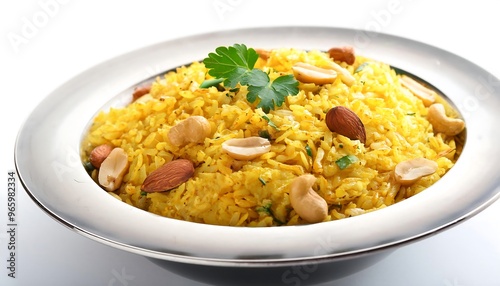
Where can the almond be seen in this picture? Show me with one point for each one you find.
(345, 122)
(98, 154)
(343, 54)
(168, 176)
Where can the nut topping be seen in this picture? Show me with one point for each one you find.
(169, 176)
(344, 74)
(408, 172)
(140, 91)
(263, 54)
(345, 122)
(98, 154)
(428, 96)
(113, 169)
(343, 54)
(310, 206)
(441, 123)
(307, 73)
(246, 148)
(194, 129)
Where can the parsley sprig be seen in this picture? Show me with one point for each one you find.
(235, 65)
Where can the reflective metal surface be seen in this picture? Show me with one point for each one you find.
(48, 163)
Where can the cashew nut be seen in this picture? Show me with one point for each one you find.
(310, 206)
(442, 123)
(307, 73)
(194, 129)
(113, 169)
(428, 96)
(246, 148)
(408, 172)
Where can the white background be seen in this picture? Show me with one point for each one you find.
(44, 43)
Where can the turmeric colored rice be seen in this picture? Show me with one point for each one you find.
(231, 192)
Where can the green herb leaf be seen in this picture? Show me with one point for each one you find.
(411, 113)
(309, 151)
(89, 167)
(265, 134)
(231, 63)
(345, 161)
(267, 209)
(270, 122)
(235, 65)
(143, 193)
(211, 82)
(361, 67)
(262, 181)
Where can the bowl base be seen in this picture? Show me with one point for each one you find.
(310, 273)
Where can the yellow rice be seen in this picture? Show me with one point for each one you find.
(225, 191)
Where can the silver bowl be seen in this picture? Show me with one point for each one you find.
(49, 166)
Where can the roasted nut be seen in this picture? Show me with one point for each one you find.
(169, 176)
(246, 148)
(140, 91)
(98, 154)
(263, 54)
(343, 54)
(442, 123)
(194, 129)
(344, 74)
(345, 122)
(310, 206)
(113, 169)
(428, 96)
(307, 73)
(408, 172)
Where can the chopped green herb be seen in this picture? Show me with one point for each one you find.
(341, 146)
(410, 113)
(309, 151)
(270, 122)
(361, 67)
(211, 82)
(235, 64)
(88, 167)
(265, 134)
(345, 161)
(262, 181)
(143, 193)
(267, 209)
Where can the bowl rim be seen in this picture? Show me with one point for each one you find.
(47, 158)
